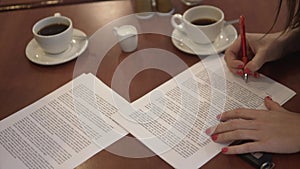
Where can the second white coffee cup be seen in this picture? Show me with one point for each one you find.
(54, 33)
(202, 24)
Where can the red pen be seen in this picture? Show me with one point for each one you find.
(244, 48)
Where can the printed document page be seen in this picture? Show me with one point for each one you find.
(61, 130)
(171, 119)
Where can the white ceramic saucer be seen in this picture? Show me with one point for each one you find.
(148, 15)
(224, 40)
(77, 46)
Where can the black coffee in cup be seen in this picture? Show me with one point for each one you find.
(204, 21)
(53, 29)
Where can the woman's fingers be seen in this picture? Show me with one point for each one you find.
(271, 105)
(235, 124)
(240, 113)
(235, 64)
(235, 135)
(243, 148)
(232, 54)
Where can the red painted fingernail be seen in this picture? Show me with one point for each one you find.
(239, 72)
(240, 66)
(214, 137)
(207, 131)
(224, 150)
(219, 116)
(248, 71)
(268, 97)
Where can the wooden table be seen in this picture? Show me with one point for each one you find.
(23, 82)
(10, 5)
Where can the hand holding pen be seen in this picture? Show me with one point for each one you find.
(244, 46)
(238, 55)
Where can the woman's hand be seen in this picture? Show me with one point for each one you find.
(274, 130)
(261, 48)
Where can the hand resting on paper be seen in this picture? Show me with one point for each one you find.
(274, 130)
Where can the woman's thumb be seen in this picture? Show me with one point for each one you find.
(256, 63)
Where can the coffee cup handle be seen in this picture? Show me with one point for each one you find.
(115, 31)
(57, 14)
(177, 22)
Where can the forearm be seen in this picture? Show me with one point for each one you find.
(289, 41)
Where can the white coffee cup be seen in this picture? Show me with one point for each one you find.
(202, 34)
(53, 43)
(127, 37)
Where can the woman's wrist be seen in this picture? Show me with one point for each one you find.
(275, 46)
(288, 41)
